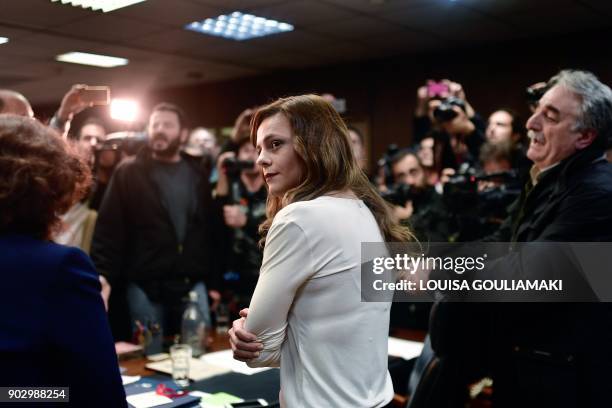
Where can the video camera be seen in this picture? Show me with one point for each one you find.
(479, 213)
(121, 144)
(533, 94)
(125, 142)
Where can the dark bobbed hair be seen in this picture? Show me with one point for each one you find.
(323, 146)
(41, 177)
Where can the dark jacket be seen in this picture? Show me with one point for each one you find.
(242, 255)
(543, 354)
(135, 238)
(54, 329)
(558, 354)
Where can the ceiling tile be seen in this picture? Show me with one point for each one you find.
(433, 17)
(505, 7)
(284, 60)
(173, 40)
(181, 13)
(339, 49)
(40, 13)
(375, 7)
(355, 28)
(566, 19)
(47, 46)
(239, 5)
(402, 42)
(293, 40)
(109, 27)
(302, 13)
(13, 34)
(235, 52)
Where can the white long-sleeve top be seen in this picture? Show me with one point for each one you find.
(307, 309)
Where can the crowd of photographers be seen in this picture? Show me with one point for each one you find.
(173, 213)
(462, 171)
(453, 184)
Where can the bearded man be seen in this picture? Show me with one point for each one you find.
(155, 230)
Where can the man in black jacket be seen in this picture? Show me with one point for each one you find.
(547, 354)
(155, 230)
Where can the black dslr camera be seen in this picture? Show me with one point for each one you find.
(385, 163)
(124, 142)
(444, 112)
(399, 194)
(121, 144)
(233, 166)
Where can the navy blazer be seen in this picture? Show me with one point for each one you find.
(53, 327)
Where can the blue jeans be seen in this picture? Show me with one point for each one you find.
(152, 316)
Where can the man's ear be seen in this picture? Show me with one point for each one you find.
(184, 136)
(585, 139)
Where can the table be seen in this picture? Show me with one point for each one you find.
(266, 384)
(136, 366)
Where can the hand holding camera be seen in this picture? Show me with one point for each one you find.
(80, 97)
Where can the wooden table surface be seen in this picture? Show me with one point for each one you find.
(219, 341)
(136, 366)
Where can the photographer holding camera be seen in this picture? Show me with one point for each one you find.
(415, 202)
(458, 129)
(242, 193)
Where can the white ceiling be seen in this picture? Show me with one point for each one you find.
(162, 54)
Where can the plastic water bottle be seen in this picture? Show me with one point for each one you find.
(193, 328)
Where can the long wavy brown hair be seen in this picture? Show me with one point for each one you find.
(41, 177)
(322, 142)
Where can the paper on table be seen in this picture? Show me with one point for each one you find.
(147, 399)
(405, 349)
(219, 400)
(198, 369)
(225, 359)
(128, 379)
(122, 347)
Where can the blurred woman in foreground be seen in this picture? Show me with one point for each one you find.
(55, 331)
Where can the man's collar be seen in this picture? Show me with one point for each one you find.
(580, 158)
(536, 173)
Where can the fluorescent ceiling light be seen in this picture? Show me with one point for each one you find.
(239, 26)
(3, 40)
(104, 5)
(96, 60)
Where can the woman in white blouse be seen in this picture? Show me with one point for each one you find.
(306, 314)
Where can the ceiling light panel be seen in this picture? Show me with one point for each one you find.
(104, 5)
(95, 60)
(239, 26)
(3, 40)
